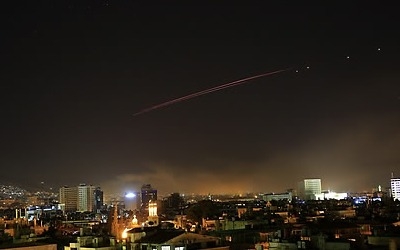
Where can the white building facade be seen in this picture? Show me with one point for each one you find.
(86, 198)
(81, 198)
(395, 188)
(308, 189)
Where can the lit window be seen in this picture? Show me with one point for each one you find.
(179, 248)
(165, 247)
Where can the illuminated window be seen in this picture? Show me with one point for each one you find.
(165, 247)
(179, 248)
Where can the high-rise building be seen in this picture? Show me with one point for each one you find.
(395, 188)
(86, 198)
(98, 200)
(82, 198)
(309, 188)
(148, 194)
(69, 198)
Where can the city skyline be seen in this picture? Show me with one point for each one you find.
(74, 74)
(133, 192)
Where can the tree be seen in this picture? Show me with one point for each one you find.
(202, 209)
(5, 237)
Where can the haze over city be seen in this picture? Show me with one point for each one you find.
(74, 74)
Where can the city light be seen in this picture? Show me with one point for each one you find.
(125, 233)
(130, 195)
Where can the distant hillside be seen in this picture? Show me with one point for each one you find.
(9, 191)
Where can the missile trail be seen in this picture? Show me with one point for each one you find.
(207, 91)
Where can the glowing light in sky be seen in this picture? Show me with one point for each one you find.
(130, 195)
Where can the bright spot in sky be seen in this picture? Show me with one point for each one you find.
(130, 195)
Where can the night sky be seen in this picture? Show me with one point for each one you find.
(73, 73)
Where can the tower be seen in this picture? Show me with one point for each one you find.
(114, 222)
(153, 217)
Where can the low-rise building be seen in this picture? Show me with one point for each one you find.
(169, 239)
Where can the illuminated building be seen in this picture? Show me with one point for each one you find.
(331, 196)
(69, 198)
(148, 194)
(309, 188)
(86, 198)
(281, 196)
(153, 217)
(395, 188)
(82, 198)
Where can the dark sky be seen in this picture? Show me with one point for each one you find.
(74, 72)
